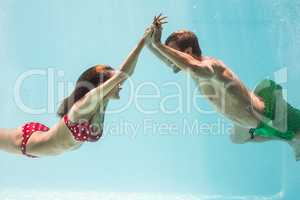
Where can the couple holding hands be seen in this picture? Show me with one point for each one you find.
(262, 115)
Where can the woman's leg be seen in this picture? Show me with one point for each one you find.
(10, 140)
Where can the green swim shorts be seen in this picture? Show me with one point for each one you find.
(271, 93)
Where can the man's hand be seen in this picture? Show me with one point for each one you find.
(157, 23)
(155, 39)
(153, 33)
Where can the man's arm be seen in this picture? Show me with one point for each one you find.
(176, 59)
(181, 60)
(163, 58)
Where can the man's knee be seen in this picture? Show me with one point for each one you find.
(239, 135)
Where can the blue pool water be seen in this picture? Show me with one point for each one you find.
(160, 142)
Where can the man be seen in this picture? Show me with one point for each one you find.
(258, 116)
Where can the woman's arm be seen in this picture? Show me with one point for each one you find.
(128, 66)
(87, 106)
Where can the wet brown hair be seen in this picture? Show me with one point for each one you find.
(184, 39)
(87, 81)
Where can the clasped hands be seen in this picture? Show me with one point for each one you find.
(153, 33)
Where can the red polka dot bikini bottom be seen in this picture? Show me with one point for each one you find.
(83, 131)
(28, 129)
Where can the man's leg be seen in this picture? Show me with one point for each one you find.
(240, 135)
(282, 120)
(295, 145)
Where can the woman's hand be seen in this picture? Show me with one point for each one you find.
(149, 32)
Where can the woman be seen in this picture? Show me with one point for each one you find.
(82, 113)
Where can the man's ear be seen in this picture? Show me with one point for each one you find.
(189, 50)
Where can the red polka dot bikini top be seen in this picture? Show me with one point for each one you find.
(81, 131)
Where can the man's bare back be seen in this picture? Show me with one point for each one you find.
(228, 94)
